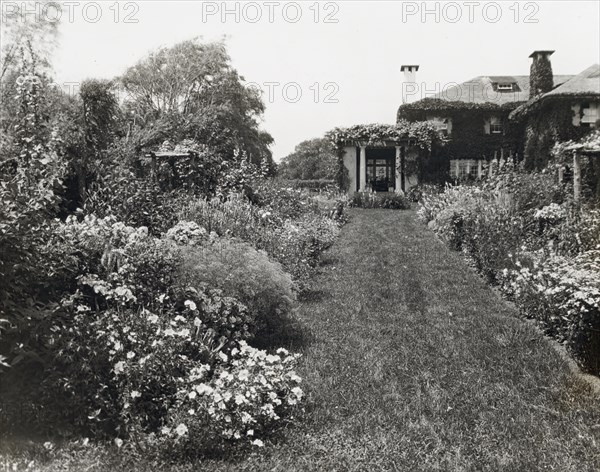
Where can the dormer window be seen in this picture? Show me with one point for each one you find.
(505, 87)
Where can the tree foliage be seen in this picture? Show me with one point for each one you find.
(191, 91)
(312, 159)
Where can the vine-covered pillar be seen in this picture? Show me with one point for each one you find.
(363, 169)
(398, 169)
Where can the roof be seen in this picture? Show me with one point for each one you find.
(587, 81)
(584, 84)
(483, 89)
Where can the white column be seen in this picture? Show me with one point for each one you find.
(576, 176)
(363, 169)
(479, 168)
(398, 170)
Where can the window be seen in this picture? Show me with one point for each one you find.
(463, 169)
(496, 126)
(505, 87)
(589, 114)
(441, 124)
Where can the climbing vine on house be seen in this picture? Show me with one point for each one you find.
(468, 139)
(546, 125)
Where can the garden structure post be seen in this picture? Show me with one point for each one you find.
(576, 176)
(398, 170)
(363, 169)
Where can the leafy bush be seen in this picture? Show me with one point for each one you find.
(241, 272)
(375, 200)
(293, 233)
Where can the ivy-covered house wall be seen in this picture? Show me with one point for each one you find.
(551, 123)
(469, 130)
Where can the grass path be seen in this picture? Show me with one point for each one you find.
(415, 364)
(412, 363)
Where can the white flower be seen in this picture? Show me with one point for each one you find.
(135, 394)
(223, 357)
(118, 346)
(184, 333)
(197, 322)
(169, 332)
(153, 318)
(165, 430)
(203, 388)
(239, 399)
(191, 305)
(258, 442)
(181, 429)
(130, 355)
(192, 395)
(243, 374)
(118, 442)
(119, 367)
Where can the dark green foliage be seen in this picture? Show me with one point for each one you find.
(374, 200)
(552, 122)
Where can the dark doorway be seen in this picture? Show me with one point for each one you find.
(381, 169)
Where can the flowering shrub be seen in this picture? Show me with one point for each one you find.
(245, 398)
(521, 231)
(135, 329)
(563, 294)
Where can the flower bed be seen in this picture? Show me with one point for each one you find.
(524, 233)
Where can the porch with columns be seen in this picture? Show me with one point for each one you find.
(399, 167)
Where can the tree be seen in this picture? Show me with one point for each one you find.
(190, 91)
(311, 160)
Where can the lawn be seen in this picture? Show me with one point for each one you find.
(410, 362)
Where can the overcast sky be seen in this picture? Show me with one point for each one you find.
(353, 50)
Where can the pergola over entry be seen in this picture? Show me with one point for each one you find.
(368, 171)
(376, 155)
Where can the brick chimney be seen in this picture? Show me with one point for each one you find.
(541, 78)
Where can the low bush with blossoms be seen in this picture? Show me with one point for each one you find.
(524, 232)
(133, 331)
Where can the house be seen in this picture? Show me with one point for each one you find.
(475, 117)
(566, 112)
(454, 134)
